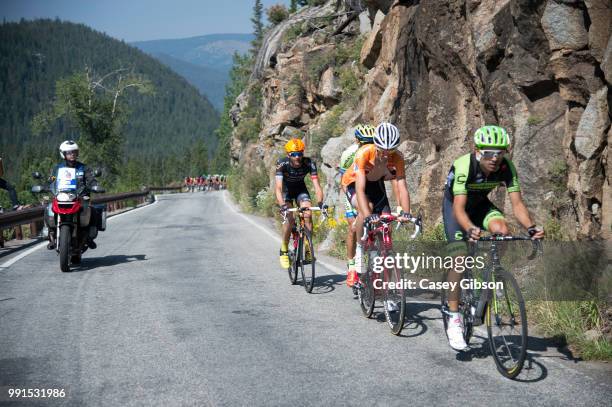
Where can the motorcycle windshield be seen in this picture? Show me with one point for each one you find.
(67, 181)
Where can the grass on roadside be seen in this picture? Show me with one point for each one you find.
(569, 322)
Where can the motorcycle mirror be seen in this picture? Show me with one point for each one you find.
(37, 189)
(97, 172)
(36, 175)
(97, 188)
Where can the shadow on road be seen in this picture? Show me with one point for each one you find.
(107, 261)
(414, 322)
(327, 284)
(534, 369)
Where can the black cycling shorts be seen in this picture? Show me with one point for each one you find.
(480, 215)
(376, 193)
(298, 194)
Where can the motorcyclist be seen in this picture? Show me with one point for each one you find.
(69, 151)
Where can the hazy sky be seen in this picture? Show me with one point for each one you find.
(136, 20)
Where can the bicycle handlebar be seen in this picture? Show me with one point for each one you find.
(536, 243)
(302, 210)
(391, 217)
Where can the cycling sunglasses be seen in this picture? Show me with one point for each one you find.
(386, 152)
(296, 154)
(489, 154)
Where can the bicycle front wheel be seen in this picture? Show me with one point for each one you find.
(365, 292)
(506, 321)
(394, 298)
(293, 253)
(307, 262)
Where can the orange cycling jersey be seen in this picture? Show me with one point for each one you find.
(366, 161)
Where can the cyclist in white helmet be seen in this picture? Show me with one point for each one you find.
(364, 181)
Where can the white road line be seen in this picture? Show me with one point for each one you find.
(22, 255)
(330, 267)
(31, 250)
(133, 210)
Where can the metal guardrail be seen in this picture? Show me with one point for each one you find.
(35, 214)
(165, 188)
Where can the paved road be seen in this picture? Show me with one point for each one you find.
(183, 304)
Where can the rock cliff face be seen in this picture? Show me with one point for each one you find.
(439, 70)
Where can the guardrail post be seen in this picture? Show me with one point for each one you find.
(18, 233)
(33, 229)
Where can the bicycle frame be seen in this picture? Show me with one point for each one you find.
(477, 313)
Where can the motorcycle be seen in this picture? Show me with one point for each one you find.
(69, 214)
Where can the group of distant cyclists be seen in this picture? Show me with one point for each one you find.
(374, 158)
(205, 183)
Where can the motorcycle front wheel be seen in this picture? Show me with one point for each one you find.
(65, 236)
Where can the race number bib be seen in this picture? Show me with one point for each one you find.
(66, 179)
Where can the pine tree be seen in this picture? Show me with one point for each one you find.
(257, 26)
(293, 6)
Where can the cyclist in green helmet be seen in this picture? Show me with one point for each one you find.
(467, 210)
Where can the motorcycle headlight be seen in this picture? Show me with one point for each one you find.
(65, 197)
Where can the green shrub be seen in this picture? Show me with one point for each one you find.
(277, 13)
(350, 85)
(557, 176)
(433, 233)
(338, 244)
(293, 32)
(295, 89)
(265, 202)
(554, 230)
(249, 126)
(330, 126)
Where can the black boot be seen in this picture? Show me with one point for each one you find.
(91, 244)
(51, 244)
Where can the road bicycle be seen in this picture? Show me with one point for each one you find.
(499, 304)
(378, 243)
(301, 250)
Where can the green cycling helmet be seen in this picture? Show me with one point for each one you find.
(492, 137)
(365, 133)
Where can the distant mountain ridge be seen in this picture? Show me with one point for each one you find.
(210, 82)
(35, 54)
(211, 52)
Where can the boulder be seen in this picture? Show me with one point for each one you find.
(329, 89)
(591, 132)
(564, 26)
(290, 132)
(606, 63)
(371, 48)
(365, 25)
(576, 74)
(600, 14)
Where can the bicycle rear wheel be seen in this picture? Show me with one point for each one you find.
(293, 256)
(397, 295)
(506, 321)
(307, 263)
(365, 292)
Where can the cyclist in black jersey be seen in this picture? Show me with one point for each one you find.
(290, 186)
(467, 209)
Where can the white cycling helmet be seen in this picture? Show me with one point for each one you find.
(387, 136)
(68, 145)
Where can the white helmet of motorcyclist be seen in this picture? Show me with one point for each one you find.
(66, 146)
